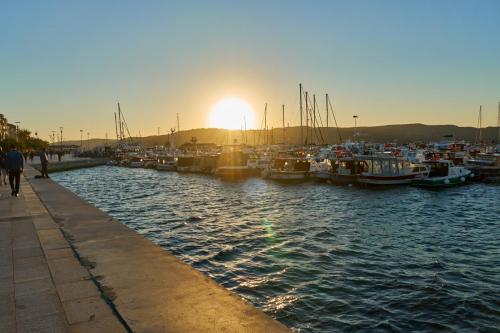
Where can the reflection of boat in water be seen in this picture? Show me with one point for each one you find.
(288, 168)
(485, 167)
(234, 165)
(386, 170)
(443, 173)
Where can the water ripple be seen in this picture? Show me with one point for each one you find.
(322, 258)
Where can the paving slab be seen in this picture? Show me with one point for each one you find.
(37, 273)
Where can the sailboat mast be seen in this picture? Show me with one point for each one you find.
(265, 124)
(178, 123)
(245, 123)
(301, 127)
(116, 129)
(314, 116)
(120, 122)
(307, 119)
(498, 125)
(326, 99)
(480, 124)
(283, 118)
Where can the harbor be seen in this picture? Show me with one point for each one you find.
(250, 167)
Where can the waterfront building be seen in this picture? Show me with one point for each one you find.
(3, 127)
(11, 131)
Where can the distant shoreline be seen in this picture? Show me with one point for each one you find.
(402, 133)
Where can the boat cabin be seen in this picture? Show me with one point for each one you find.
(439, 168)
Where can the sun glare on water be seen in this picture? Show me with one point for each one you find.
(232, 113)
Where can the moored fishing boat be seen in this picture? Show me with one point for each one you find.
(184, 163)
(136, 162)
(288, 169)
(387, 170)
(443, 173)
(166, 163)
(485, 167)
(345, 170)
(233, 165)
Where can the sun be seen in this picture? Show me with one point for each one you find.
(232, 113)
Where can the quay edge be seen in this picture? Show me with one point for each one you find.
(72, 164)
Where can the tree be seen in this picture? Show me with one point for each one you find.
(24, 141)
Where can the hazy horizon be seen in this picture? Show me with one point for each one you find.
(390, 62)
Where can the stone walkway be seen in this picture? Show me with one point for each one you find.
(43, 286)
(66, 266)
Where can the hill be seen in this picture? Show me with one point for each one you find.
(389, 133)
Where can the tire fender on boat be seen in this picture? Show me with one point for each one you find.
(462, 179)
(446, 181)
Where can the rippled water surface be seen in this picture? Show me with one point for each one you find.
(319, 257)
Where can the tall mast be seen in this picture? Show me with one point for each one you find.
(480, 124)
(327, 129)
(479, 120)
(120, 122)
(307, 119)
(314, 116)
(245, 122)
(498, 125)
(265, 124)
(178, 123)
(301, 127)
(283, 112)
(116, 130)
(334, 119)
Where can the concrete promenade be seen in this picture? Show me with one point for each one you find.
(66, 266)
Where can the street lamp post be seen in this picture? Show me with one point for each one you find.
(355, 124)
(61, 138)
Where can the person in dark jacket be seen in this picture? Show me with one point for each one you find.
(15, 166)
(3, 167)
(44, 160)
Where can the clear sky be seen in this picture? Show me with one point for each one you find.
(66, 63)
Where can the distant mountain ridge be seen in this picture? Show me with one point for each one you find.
(403, 133)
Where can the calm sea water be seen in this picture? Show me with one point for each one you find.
(319, 257)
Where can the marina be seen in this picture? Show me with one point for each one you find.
(349, 164)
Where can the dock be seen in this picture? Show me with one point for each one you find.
(66, 266)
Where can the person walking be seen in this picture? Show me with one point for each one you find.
(3, 167)
(15, 166)
(44, 160)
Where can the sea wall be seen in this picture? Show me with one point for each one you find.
(72, 164)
